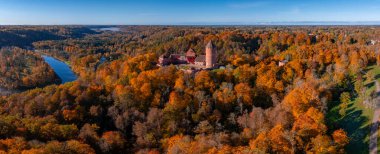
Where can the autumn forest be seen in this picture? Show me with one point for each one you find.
(276, 89)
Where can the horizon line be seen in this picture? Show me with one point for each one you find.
(270, 23)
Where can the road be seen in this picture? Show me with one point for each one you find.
(375, 124)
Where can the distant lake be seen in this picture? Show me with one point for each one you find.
(61, 69)
(113, 29)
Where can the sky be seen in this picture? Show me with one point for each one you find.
(187, 12)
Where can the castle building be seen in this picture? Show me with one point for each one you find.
(207, 61)
(190, 56)
(282, 63)
(200, 60)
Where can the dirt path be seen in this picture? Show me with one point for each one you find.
(375, 124)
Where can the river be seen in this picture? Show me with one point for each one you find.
(5, 92)
(61, 69)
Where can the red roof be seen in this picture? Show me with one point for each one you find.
(190, 53)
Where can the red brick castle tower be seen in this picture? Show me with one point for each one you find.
(211, 55)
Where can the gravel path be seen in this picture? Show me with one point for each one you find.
(375, 124)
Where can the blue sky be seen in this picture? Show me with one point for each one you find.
(132, 12)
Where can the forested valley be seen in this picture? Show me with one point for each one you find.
(22, 69)
(127, 104)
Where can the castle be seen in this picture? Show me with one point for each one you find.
(207, 61)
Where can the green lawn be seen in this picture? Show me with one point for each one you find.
(358, 118)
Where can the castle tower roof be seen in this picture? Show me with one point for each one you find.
(209, 45)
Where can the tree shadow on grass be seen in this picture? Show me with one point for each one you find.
(369, 85)
(366, 69)
(354, 123)
(377, 76)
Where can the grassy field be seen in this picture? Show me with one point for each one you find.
(358, 118)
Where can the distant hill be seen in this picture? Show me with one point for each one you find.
(24, 36)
